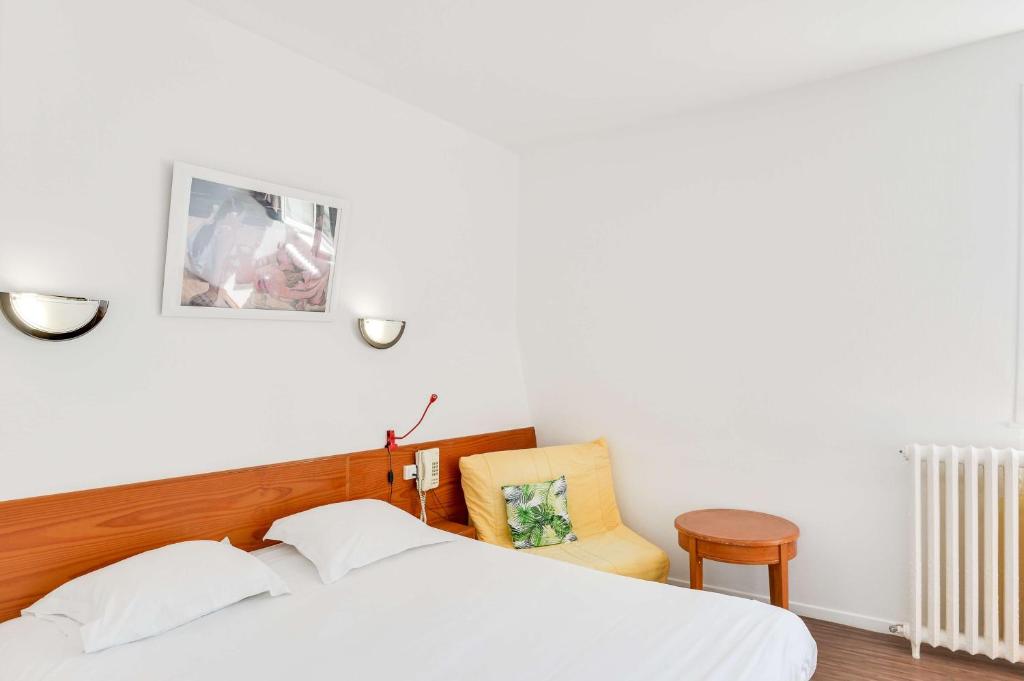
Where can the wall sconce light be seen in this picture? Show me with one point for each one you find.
(53, 318)
(381, 333)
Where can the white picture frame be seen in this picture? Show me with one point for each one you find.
(289, 280)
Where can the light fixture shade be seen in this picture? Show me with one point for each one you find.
(54, 318)
(381, 333)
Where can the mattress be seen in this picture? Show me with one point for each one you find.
(462, 610)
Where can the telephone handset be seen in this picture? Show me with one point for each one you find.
(428, 475)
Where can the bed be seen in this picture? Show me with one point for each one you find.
(457, 610)
(460, 610)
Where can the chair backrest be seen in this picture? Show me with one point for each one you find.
(587, 470)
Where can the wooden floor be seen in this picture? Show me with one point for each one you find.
(847, 654)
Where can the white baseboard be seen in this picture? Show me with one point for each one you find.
(851, 619)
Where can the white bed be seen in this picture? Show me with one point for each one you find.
(462, 610)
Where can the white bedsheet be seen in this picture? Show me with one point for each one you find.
(457, 611)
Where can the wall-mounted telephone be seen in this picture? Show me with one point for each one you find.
(428, 475)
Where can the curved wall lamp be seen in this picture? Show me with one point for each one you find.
(381, 333)
(53, 318)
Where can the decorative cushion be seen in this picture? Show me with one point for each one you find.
(538, 513)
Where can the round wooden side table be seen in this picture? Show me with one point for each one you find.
(741, 537)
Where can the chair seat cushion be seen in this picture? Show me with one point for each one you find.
(586, 467)
(620, 551)
(603, 542)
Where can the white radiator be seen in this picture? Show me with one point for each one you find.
(967, 542)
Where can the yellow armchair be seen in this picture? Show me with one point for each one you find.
(604, 542)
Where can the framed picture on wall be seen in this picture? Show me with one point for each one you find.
(248, 249)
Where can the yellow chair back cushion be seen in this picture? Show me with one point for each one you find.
(587, 469)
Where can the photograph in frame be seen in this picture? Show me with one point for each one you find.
(245, 248)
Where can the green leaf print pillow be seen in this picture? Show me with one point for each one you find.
(538, 513)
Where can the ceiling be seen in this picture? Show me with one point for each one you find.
(526, 71)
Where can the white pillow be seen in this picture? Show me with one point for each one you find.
(340, 537)
(158, 590)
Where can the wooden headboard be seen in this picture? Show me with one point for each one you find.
(45, 541)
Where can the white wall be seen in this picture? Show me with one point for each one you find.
(96, 101)
(760, 304)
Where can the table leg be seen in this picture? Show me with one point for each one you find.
(696, 567)
(778, 579)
